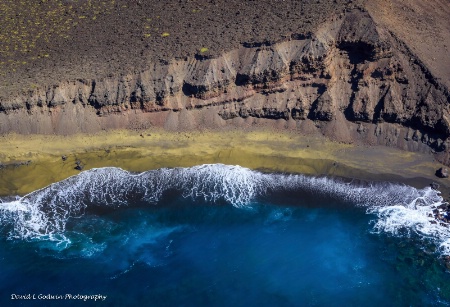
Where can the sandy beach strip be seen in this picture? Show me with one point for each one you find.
(30, 162)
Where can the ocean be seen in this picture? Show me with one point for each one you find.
(221, 235)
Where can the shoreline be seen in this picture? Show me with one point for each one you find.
(31, 162)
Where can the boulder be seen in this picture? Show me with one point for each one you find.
(442, 172)
(79, 165)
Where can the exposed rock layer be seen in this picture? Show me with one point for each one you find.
(350, 80)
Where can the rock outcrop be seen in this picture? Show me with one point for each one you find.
(350, 80)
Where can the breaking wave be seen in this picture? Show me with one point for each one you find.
(43, 214)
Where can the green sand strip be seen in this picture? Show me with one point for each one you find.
(146, 150)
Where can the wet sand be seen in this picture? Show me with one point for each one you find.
(35, 161)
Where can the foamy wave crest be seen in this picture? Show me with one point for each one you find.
(44, 213)
(415, 217)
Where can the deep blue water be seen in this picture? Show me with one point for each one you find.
(289, 244)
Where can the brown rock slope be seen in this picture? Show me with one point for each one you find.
(423, 25)
(351, 79)
(47, 41)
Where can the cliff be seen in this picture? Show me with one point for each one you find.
(351, 79)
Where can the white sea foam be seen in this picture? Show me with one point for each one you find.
(13, 206)
(414, 218)
(400, 209)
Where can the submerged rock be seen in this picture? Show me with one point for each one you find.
(435, 186)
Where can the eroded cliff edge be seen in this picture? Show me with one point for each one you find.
(351, 80)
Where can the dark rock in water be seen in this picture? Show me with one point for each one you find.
(434, 186)
(78, 165)
(442, 172)
(443, 206)
(64, 158)
(447, 262)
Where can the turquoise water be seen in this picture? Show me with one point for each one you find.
(222, 235)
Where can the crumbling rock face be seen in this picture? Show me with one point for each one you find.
(356, 81)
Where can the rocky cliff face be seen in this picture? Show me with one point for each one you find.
(350, 80)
